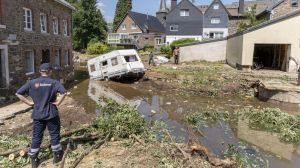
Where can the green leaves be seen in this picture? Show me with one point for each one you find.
(123, 6)
(274, 120)
(121, 120)
(88, 23)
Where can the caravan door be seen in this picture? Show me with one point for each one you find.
(104, 68)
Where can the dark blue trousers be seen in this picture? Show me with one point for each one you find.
(39, 127)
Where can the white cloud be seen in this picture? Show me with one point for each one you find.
(100, 6)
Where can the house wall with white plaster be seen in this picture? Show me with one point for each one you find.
(214, 50)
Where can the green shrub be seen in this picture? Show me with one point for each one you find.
(97, 48)
(182, 41)
(148, 47)
(120, 120)
(166, 50)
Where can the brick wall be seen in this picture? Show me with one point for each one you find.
(283, 9)
(35, 40)
(128, 22)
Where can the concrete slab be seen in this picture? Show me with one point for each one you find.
(12, 110)
(279, 91)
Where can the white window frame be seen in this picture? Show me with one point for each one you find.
(43, 23)
(215, 20)
(123, 26)
(158, 41)
(66, 58)
(32, 62)
(294, 3)
(55, 25)
(27, 19)
(57, 57)
(216, 6)
(184, 12)
(133, 26)
(65, 25)
(174, 26)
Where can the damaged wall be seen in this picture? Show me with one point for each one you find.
(284, 30)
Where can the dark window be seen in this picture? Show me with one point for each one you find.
(294, 2)
(104, 63)
(45, 56)
(130, 58)
(93, 68)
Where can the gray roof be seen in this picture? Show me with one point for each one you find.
(152, 23)
(66, 4)
(261, 6)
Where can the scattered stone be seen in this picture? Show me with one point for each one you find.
(185, 101)
(68, 93)
(174, 67)
(168, 103)
(1, 122)
(153, 111)
(150, 90)
(75, 87)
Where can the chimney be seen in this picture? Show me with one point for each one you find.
(173, 4)
(241, 6)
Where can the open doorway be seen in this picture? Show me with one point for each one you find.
(45, 56)
(4, 79)
(271, 56)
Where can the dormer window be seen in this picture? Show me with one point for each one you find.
(294, 3)
(123, 26)
(184, 12)
(174, 27)
(215, 20)
(216, 6)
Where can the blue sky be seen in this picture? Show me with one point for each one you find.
(144, 6)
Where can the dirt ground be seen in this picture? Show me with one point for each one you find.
(72, 116)
(124, 154)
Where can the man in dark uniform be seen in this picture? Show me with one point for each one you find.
(43, 91)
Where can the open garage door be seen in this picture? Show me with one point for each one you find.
(271, 56)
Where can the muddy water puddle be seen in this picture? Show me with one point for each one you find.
(156, 103)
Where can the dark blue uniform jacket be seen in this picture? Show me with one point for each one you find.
(43, 92)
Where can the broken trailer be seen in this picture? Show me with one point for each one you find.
(116, 65)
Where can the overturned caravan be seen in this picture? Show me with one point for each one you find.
(116, 65)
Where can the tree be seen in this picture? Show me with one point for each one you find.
(123, 6)
(250, 20)
(88, 23)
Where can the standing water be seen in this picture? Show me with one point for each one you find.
(264, 149)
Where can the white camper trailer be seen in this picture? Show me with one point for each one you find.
(116, 64)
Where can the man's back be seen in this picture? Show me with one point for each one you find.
(43, 92)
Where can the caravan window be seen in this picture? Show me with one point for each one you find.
(130, 58)
(114, 61)
(104, 63)
(93, 68)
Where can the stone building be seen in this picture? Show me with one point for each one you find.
(137, 30)
(33, 32)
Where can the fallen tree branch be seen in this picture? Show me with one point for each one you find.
(138, 139)
(83, 138)
(66, 134)
(202, 150)
(185, 155)
(62, 164)
(86, 152)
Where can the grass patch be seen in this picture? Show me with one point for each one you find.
(274, 120)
